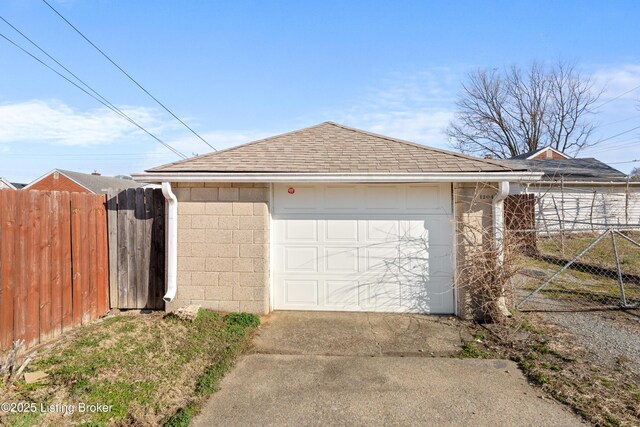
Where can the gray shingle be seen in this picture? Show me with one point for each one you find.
(99, 184)
(585, 169)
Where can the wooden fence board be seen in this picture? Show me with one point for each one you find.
(102, 255)
(7, 266)
(76, 260)
(85, 264)
(123, 251)
(32, 329)
(56, 266)
(132, 301)
(20, 297)
(142, 248)
(44, 248)
(112, 240)
(92, 238)
(66, 272)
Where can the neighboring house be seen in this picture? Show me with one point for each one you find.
(64, 180)
(328, 218)
(578, 193)
(4, 184)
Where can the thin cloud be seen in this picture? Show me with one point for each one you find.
(54, 122)
(621, 82)
(415, 107)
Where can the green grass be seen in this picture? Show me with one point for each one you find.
(471, 351)
(592, 279)
(151, 369)
(183, 417)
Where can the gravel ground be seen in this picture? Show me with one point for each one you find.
(608, 336)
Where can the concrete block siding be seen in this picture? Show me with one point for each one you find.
(223, 246)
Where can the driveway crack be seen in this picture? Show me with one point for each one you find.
(375, 335)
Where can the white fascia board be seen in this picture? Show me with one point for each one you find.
(153, 177)
(594, 183)
(7, 184)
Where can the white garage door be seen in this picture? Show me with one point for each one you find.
(363, 247)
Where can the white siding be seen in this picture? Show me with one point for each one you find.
(581, 208)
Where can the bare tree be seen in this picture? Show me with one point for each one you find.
(510, 112)
(635, 173)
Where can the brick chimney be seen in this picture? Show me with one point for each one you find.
(488, 156)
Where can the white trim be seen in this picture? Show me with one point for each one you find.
(271, 251)
(603, 183)
(454, 249)
(153, 177)
(9, 185)
(61, 173)
(498, 219)
(542, 150)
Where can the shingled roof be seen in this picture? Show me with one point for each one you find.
(583, 169)
(333, 148)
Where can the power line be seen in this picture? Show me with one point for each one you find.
(106, 104)
(57, 62)
(619, 163)
(127, 74)
(617, 135)
(619, 121)
(615, 97)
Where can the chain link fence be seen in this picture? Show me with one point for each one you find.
(571, 264)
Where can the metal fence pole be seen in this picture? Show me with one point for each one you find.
(567, 265)
(620, 283)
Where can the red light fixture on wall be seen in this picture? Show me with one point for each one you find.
(291, 190)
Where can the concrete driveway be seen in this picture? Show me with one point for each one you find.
(370, 369)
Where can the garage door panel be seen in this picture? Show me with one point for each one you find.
(435, 260)
(381, 259)
(301, 259)
(301, 292)
(305, 198)
(382, 197)
(382, 230)
(433, 229)
(343, 197)
(342, 293)
(300, 230)
(341, 230)
(428, 198)
(341, 260)
(381, 293)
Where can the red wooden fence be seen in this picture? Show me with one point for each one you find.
(53, 263)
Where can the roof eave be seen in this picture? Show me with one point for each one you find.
(511, 176)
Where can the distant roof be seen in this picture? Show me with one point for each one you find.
(6, 184)
(532, 153)
(333, 148)
(97, 183)
(586, 169)
(18, 186)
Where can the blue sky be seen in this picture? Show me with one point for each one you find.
(240, 70)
